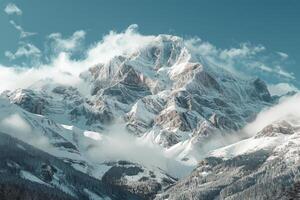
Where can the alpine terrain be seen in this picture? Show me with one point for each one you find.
(161, 121)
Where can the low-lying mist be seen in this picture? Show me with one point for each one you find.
(287, 109)
(119, 144)
(116, 143)
(15, 125)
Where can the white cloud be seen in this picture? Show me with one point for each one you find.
(8, 124)
(283, 55)
(245, 60)
(115, 44)
(245, 50)
(13, 122)
(281, 88)
(61, 70)
(277, 70)
(23, 33)
(118, 144)
(286, 109)
(24, 50)
(12, 8)
(283, 72)
(70, 44)
(263, 67)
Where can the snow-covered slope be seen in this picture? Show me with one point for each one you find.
(265, 166)
(29, 173)
(73, 146)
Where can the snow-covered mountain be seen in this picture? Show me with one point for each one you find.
(265, 166)
(74, 147)
(148, 118)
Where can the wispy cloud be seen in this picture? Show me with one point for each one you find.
(284, 73)
(245, 49)
(23, 33)
(283, 55)
(12, 8)
(25, 50)
(70, 44)
(277, 70)
(247, 58)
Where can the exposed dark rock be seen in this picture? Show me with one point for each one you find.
(293, 192)
(31, 102)
(47, 172)
(223, 122)
(261, 90)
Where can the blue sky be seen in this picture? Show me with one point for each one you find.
(275, 24)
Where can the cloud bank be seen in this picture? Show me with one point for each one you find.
(118, 144)
(62, 69)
